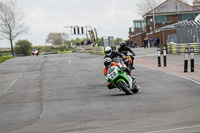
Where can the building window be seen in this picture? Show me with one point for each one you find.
(186, 16)
(168, 19)
(162, 19)
(138, 25)
(148, 21)
(143, 26)
(180, 18)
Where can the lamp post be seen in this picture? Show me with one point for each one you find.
(154, 19)
(154, 23)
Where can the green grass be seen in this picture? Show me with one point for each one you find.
(5, 53)
(55, 50)
(4, 58)
(59, 50)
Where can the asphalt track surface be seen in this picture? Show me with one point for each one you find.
(67, 93)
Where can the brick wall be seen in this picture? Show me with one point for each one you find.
(174, 19)
(138, 39)
(162, 35)
(137, 30)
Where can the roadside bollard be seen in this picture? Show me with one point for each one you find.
(186, 60)
(164, 56)
(159, 62)
(192, 59)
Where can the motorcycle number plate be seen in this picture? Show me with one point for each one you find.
(112, 75)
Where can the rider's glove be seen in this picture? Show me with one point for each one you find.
(122, 68)
(123, 57)
(105, 76)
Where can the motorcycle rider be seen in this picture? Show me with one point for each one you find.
(107, 64)
(124, 50)
(112, 54)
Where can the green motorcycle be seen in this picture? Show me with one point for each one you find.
(121, 80)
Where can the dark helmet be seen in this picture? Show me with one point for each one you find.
(108, 50)
(107, 61)
(122, 44)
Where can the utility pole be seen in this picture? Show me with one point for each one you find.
(154, 19)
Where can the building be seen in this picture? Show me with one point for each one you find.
(139, 32)
(167, 13)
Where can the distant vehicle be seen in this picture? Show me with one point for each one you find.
(35, 52)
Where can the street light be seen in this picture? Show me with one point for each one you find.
(153, 18)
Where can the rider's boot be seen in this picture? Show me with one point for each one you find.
(132, 67)
(110, 86)
(135, 87)
(134, 81)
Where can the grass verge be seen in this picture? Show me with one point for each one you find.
(4, 58)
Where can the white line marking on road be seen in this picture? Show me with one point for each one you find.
(145, 55)
(12, 82)
(187, 78)
(174, 129)
(10, 86)
(5, 90)
(70, 61)
(173, 74)
(22, 73)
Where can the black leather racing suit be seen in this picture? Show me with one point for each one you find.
(124, 50)
(126, 69)
(114, 54)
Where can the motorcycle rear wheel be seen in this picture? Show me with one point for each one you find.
(124, 88)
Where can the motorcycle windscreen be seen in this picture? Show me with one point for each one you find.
(111, 69)
(117, 60)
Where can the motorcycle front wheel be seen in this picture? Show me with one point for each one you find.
(124, 88)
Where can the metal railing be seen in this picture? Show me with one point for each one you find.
(187, 32)
(175, 48)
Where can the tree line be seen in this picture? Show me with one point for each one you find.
(25, 47)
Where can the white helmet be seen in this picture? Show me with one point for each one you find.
(108, 50)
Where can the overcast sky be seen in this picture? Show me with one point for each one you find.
(109, 17)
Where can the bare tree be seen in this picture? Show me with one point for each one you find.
(185, 1)
(147, 5)
(11, 25)
(196, 2)
(57, 38)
